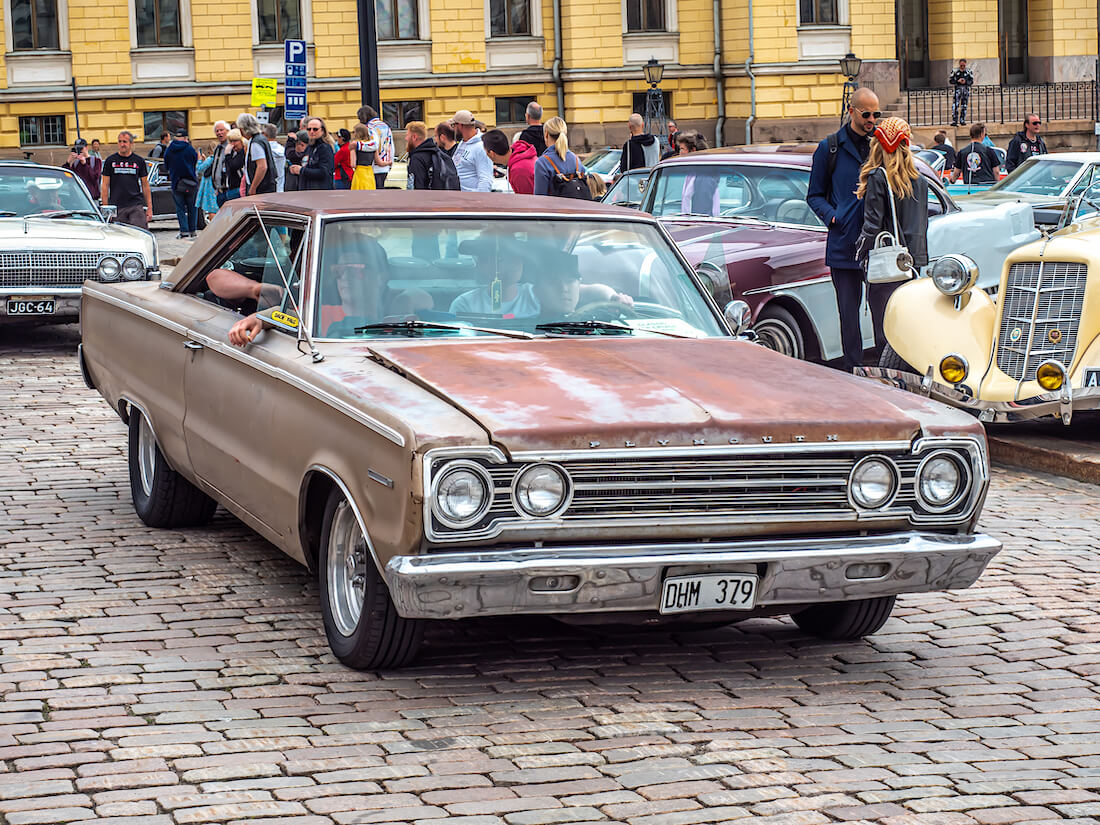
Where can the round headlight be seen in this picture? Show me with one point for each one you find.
(108, 269)
(541, 490)
(954, 369)
(941, 481)
(462, 494)
(873, 482)
(1050, 376)
(954, 274)
(133, 269)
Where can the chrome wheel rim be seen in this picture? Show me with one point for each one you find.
(347, 569)
(775, 335)
(147, 455)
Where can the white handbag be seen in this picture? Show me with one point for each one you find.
(889, 260)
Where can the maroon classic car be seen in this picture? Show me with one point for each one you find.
(740, 217)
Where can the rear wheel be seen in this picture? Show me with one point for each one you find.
(892, 361)
(845, 620)
(363, 627)
(777, 329)
(162, 497)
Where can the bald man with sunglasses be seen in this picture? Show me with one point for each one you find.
(832, 196)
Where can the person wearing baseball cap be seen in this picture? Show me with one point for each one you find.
(475, 170)
(85, 167)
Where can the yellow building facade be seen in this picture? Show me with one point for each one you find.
(768, 69)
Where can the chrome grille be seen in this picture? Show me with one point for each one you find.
(52, 269)
(1031, 308)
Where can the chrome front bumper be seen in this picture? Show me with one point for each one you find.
(1061, 404)
(610, 579)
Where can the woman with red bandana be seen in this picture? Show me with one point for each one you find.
(888, 172)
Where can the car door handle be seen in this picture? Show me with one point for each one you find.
(192, 345)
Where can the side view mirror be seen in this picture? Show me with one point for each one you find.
(286, 321)
(109, 212)
(738, 316)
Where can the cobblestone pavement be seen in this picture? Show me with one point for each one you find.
(164, 677)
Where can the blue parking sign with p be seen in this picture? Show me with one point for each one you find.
(295, 88)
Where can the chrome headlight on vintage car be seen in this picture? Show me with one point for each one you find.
(954, 274)
(541, 490)
(133, 269)
(942, 481)
(109, 269)
(461, 494)
(873, 482)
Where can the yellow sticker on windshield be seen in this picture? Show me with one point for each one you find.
(283, 318)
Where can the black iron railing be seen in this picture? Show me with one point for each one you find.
(1005, 104)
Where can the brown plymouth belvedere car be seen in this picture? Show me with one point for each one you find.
(504, 404)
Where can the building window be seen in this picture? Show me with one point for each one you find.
(645, 15)
(157, 123)
(158, 22)
(512, 109)
(399, 113)
(818, 12)
(639, 103)
(279, 20)
(396, 20)
(42, 130)
(34, 24)
(510, 17)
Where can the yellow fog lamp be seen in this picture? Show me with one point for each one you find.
(1051, 375)
(954, 369)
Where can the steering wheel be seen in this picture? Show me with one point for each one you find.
(603, 311)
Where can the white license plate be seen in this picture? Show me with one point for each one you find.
(1092, 377)
(30, 306)
(713, 591)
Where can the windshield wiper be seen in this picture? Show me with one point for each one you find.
(418, 327)
(64, 213)
(564, 327)
(7, 214)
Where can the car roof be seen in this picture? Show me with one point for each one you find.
(1077, 157)
(799, 155)
(425, 203)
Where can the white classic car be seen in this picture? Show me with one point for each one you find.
(54, 237)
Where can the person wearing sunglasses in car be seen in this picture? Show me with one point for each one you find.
(834, 177)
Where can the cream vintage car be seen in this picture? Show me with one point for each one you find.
(1032, 350)
(498, 404)
(53, 237)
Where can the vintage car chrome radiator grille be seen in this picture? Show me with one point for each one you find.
(1040, 312)
(52, 269)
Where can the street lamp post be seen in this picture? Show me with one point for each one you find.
(368, 54)
(849, 67)
(656, 119)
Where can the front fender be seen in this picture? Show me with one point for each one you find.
(922, 325)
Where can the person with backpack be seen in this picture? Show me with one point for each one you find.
(831, 194)
(429, 166)
(558, 171)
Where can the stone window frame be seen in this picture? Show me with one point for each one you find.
(41, 130)
(305, 14)
(62, 31)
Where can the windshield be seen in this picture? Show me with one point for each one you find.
(603, 161)
(1039, 176)
(504, 274)
(769, 193)
(930, 156)
(627, 190)
(25, 191)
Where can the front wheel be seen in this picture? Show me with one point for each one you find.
(162, 497)
(890, 360)
(363, 627)
(845, 620)
(777, 329)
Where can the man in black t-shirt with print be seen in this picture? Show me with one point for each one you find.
(976, 162)
(125, 184)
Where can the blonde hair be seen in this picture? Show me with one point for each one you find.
(418, 128)
(899, 166)
(360, 131)
(234, 134)
(596, 185)
(557, 131)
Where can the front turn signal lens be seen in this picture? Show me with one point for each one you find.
(954, 369)
(1050, 376)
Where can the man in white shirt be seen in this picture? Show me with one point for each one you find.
(278, 151)
(475, 170)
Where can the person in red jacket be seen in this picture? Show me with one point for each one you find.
(344, 172)
(519, 157)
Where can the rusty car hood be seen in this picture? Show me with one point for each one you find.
(555, 394)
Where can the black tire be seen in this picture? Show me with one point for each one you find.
(890, 360)
(845, 620)
(162, 497)
(379, 638)
(777, 329)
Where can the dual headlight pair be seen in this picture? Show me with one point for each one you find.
(941, 483)
(111, 269)
(463, 492)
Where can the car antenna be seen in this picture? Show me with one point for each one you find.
(313, 351)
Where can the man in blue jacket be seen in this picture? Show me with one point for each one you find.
(179, 159)
(832, 196)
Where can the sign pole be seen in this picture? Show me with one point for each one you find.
(368, 55)
(76, 109)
